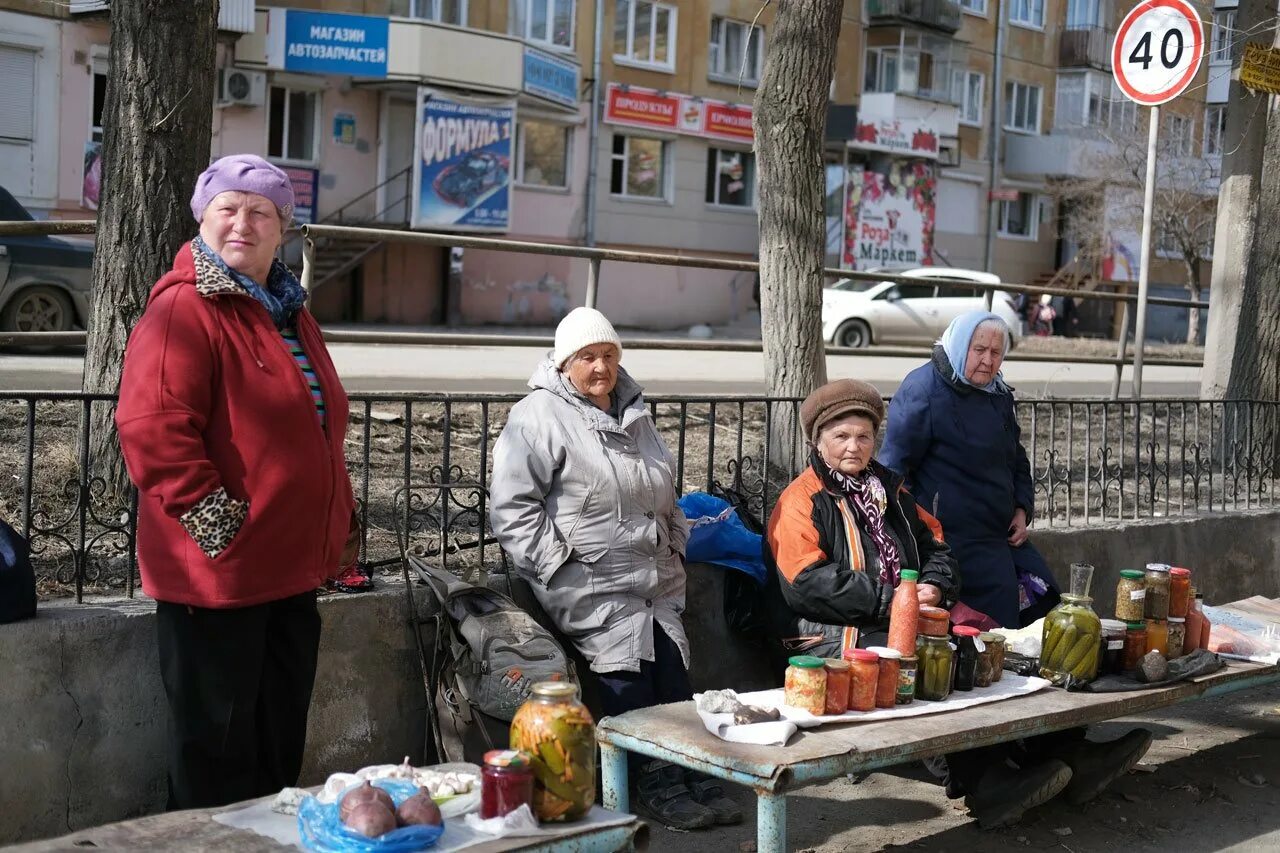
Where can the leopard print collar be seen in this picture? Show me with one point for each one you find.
(213, 281)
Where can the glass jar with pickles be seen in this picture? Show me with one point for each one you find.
(1071, 641)
(557, 732)
(933, 675)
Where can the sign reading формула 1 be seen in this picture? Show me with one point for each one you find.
(327, 43)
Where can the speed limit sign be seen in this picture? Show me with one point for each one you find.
(1157, 51)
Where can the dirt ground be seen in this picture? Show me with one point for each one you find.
(1210, 782)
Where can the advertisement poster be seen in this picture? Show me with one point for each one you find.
(1123, 235)
(92, 185)
(889, 215)
(305, 183)
(462, 167)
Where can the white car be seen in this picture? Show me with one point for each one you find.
(858, 313)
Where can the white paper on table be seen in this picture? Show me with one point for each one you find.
(779, 732)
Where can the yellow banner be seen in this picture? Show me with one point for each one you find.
(1260, 69)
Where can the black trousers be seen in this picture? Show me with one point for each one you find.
(238, 682)
(660, 681)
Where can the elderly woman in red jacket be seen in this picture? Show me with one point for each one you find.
(232, 420)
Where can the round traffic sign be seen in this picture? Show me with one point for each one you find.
(1157, 51)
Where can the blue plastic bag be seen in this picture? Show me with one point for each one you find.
(322, 830)
(717, 535)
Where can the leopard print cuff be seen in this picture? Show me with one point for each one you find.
(214, 521)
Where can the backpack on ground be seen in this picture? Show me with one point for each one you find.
(17, 578)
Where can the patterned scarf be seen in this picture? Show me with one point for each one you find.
(867, 495)
(282, 297)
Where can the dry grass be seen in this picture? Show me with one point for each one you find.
(1101, 347)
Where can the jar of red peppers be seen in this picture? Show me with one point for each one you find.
(1179, 592)
(806, 684)
(887, 682)
(933, 621)
(866, 679)
(838, 677)
(506, 782)
(1135, 645)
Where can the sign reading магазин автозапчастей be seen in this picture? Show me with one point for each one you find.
(327, 43)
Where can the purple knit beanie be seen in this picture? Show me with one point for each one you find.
(246, 173)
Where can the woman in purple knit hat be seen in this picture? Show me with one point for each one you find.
(232, 422)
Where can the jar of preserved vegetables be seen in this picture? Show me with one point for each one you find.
(1177, 637)
(933, 679)
(887, 682)
(1157, 601)
(933, 621)
(995, 642)
(907, 668)
(1113, 631)
(1131, 596)
(838, 675)
(1179, 591)
(866, 679)
(1135, 644)
(506, 782)
(1071, 641)
(966, 657)
(805, 686)
(1158, 636)
(557, 732)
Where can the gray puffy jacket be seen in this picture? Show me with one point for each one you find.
(586, 508)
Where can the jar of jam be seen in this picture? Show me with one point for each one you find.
(933, 621)
(866, 679)
(933, 679)
(907, 667)
(1113, 631)
(1158, 636)
(995, 642)
(1135, 644)
(1177, 637)
(838, 677)
(887, 683)
(506, 782)
(966, 656)
(1157, 600)
(1131, 596)
(1179, 591)
(805, 686)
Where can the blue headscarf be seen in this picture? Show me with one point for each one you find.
(955, 343)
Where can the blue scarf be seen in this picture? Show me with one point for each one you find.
(955, 343)
(283, 296)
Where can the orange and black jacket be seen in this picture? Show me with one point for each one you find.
(824, 570)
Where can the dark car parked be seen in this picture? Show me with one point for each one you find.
(45, 282)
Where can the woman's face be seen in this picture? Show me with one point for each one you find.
(847, 444)
(593, 370)
(986, 354)
(245, 230)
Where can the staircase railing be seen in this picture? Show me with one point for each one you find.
(292, 246)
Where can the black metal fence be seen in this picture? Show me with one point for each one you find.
(420, 464)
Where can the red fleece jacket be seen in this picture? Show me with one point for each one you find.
(211, 398)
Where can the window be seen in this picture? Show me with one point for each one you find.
(974, 7)
(291, 124)
(639, 167)
(546, 21)
(735, 49)
(923, 65)
(1028, 13)
(99, 99)
(18, 94)
(1224, 28)
(443, 11)
(644, 32)
(731, 177)
(882, 70)
(1019, 218)
(1215, 127)
(1021, 107)
(544, 155)
(1084, 13)
(967, 92)
(909, 291)
(1179, 136)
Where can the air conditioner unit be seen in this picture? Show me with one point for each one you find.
(239, 87)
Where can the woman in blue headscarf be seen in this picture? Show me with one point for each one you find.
(952, 432)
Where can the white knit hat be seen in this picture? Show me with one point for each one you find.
(580, 328)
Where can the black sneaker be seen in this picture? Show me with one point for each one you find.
(664, 796)
(708, 792)
(1094, 765)
(1004, 794)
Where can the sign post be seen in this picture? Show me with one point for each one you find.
(1155, 56)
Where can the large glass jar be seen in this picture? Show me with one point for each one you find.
(805, 686)
(1071, 641)
(1131, 596)
(557, 731)
(1157, 601)
(933, 679)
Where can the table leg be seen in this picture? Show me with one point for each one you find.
(613, 776)
(771, 822)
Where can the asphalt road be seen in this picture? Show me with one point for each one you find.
(378, 367)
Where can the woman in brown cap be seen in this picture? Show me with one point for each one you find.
(843, 531)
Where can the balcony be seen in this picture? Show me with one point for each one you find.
(234, 16)
(1085, 47)
(936, 14)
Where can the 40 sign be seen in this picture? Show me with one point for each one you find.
(1157, 51)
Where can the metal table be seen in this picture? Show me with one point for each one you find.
(676, 734)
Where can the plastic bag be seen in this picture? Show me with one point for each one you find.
(322, 830)
(717, 535)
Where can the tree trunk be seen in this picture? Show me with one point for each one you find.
(156, 127)
(790, 123)
(1193, 293)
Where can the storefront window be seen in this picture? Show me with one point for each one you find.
(544, 155)
(731, 177)
(291, 124)
(639, 167)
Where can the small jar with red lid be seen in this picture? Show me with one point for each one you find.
(506, 782)
(933, 621)
(864, 679)
(966, 656)
(1179, 592)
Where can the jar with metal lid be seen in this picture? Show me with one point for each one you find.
(933, 679)
(1135, 645)
(838, 678)
(556, 730)
(1157, 600)
(805, 685)
(933, 621)
(966, 656)
(1113, 631)
(866, 679)
(907, 668)
(1158, 636)
(1177, 637)
(996, 643)
(506, 782)
(1179, 591)
(1131, 596)
(984, 671)
(887, 682)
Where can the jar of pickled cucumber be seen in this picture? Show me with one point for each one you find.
(1071, 641)
(557, 731)
(933, 673)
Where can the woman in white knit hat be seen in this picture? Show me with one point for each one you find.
(584, 502)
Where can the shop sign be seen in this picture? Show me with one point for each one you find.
(305, 183)
(729, 121)
(551, 77)
(327, 43)
(1260, 69)
(1003, 194)
(896, 136)
(645, 108)
(462, 163)
(632, 106)
(889, 215)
